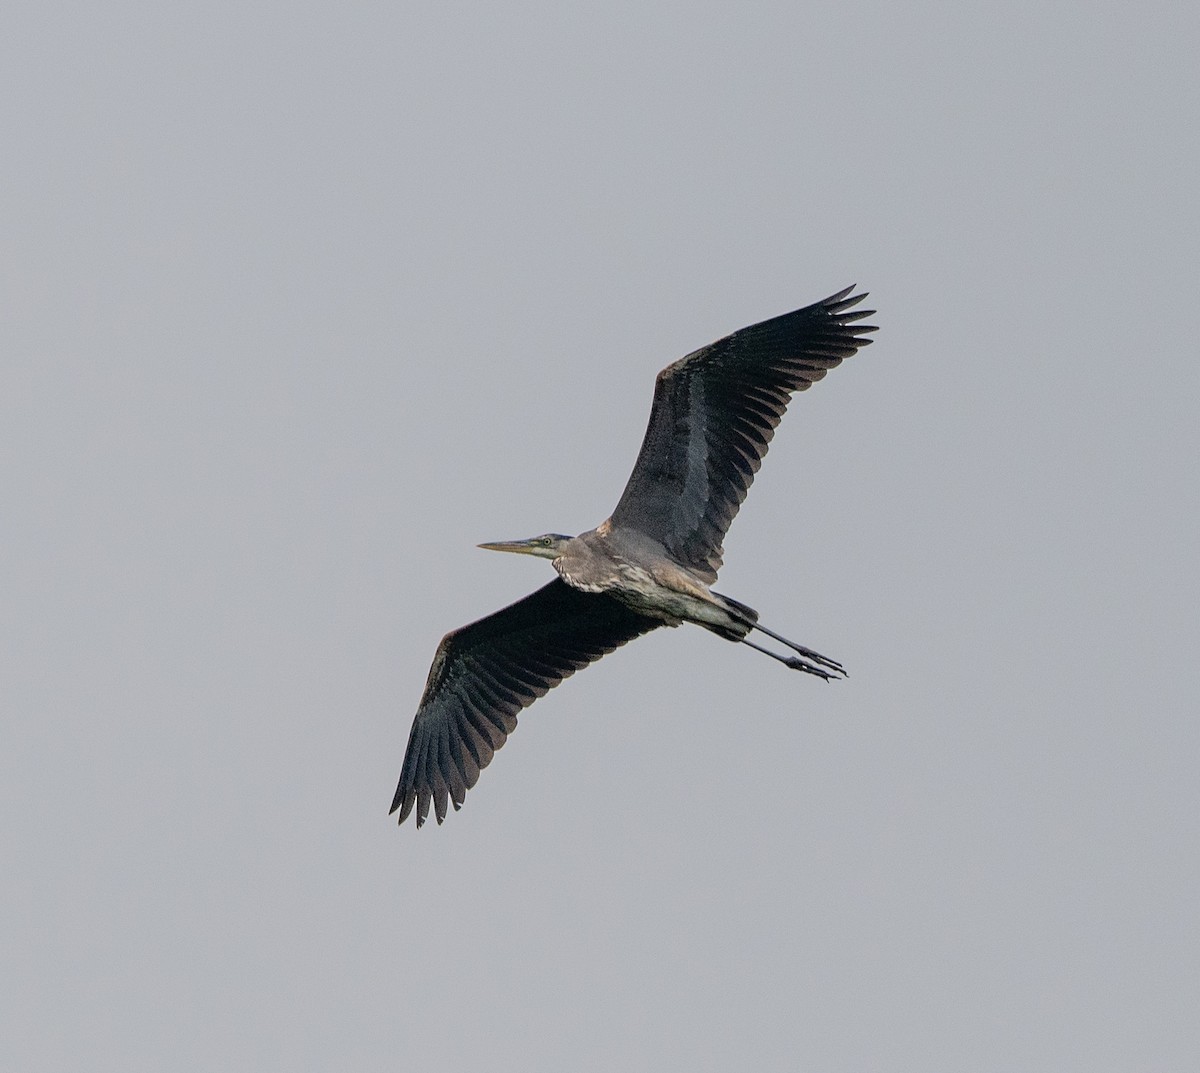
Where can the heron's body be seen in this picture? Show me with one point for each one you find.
(650, 564)
(637, 571)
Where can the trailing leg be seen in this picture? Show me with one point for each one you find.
(816, 657)
(798, 664)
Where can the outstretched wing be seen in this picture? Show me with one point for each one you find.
(714, 413)
(484, 673)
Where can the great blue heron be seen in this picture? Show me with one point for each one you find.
(650, 564)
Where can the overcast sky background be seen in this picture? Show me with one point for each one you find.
(300, 303)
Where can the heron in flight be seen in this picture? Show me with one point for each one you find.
(648, 565)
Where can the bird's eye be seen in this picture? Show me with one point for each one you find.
(545, 542)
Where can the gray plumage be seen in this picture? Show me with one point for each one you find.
(648, 565)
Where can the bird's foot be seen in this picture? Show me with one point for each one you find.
(798, 664)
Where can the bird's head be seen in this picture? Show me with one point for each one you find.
(546, 546)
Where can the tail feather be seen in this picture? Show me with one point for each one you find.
(742, 619)
(740, 610)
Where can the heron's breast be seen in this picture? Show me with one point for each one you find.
(583, 575)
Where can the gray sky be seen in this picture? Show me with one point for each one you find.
(300, 304)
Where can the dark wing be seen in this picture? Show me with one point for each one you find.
(714, 413)
(484, 673)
